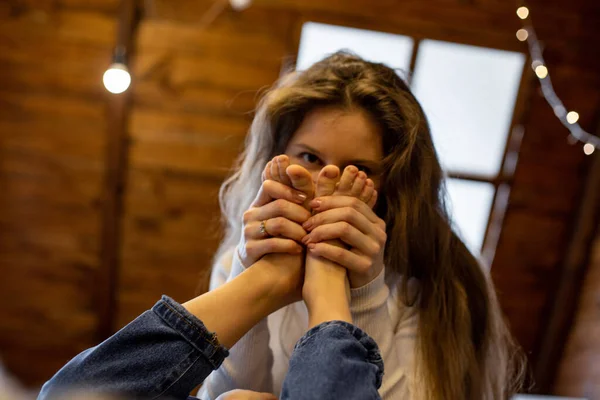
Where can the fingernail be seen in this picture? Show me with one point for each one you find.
(299, 196)
(315, 203)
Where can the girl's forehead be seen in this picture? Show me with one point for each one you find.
(340, 133)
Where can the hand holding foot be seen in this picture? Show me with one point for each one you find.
(347, 215)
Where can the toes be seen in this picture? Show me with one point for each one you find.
(267, 172)
(359, 184)
(301, 180)
(347, 180)
(275, 169)
(327, 180)
(283, 162)
(367, 192)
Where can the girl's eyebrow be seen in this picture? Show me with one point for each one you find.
(310, 149)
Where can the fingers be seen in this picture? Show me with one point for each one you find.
(278, 226)
(348, 234)
(271, 190)
(325, 203)
(352, 261)
(277, 208)
(350, 216)
(255, 249)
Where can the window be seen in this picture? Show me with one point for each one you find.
(319, 40)
(468, 94)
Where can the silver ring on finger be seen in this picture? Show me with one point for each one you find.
(262, 229)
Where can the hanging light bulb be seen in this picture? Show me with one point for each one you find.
(588, 149)
(523, 12)
(572, 117)
(522, 34)
(117, 78)
(240, 5)
(541, 71)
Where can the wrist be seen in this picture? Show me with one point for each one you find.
(271, 286)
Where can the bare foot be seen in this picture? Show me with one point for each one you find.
(324, 280)
(279, 170)
(296, 176)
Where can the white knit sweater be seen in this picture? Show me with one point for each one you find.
(259, 361)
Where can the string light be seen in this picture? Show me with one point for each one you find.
(572, 117)
(240, 5)
(588, 149)
(117, 79)
(523, 12)
(541, 71)
(569, 120)
(522, 34)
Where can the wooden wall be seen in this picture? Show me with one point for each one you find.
(192, 93)
(52, 140)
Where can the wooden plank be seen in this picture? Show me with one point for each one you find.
(147, 123)
(171, 230)
(73, 27)
(158, 94)
(234, 42)
(177, 70)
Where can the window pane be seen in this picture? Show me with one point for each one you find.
(468, 94)
(320, 40)
(470, 204)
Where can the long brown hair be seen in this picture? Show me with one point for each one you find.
(464, 349)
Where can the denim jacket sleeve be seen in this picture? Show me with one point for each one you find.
(164, 353)
(334, 360)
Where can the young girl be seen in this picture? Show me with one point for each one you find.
(415, 288)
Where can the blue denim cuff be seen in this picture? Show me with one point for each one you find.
(191, 329)
(327, 329)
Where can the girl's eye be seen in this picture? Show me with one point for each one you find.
(309, 158)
